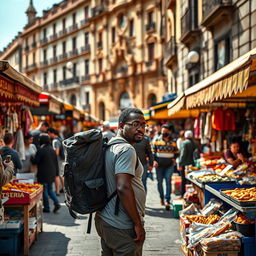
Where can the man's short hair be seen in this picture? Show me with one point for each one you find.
(8, 138)
(52, 130)
(44, 139)
(125, 114)
(45, 124)
(166, 126)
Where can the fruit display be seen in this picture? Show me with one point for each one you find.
(30, 188)
(242, 194)
(21, 193)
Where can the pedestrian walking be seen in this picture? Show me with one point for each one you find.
(124, 234)
(186, 156)
(58, 148)
(42, 128)
(144, 152)
(8, 150)
(164, 151)
(47, 164)
(30, 151)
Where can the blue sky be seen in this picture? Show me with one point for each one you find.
(13, 17)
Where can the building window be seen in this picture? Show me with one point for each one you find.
(113, 34)
(54, 50)
(100, 36)
(44, 33)
(86, 12)
(64, 47)
(131, 28)
(45, 54)
(86, 38)
(45, 78)
(151, 99)
(87, 62)
(74, 18)
(74, 43)
(64, 69)
(100, 65)
(125, 101)
(74, 70)
(54, 28)
(151, 52)
(27, 61)
(63, 23)
(222, 52)
(34, 58)
(55, 76)
(150, 17)
(34, 38)
(87, 97)
(122, 21)
(102, 111)
(73, 100)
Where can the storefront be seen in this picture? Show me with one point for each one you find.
(226, 103)
(22, 218)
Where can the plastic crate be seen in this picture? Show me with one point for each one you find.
(10, 241)
(177, 206)
(249, 246)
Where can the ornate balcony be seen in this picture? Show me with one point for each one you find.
(63, 32)
(99, 44)
(86, 48)
(73, 52)
(44, 63)
(70, 81)
(44, 40)
(216, 11)
(54, 36)
(150, 26)
(54, 59)
(84, 22)
(63, 56)
(189, 26)
(73, 27)
(27, 48)
(33, 45)
(85, 78)
(170, 53)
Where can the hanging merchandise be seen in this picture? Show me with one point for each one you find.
(208, 126)
(217, 119)
(229, 120)
(197, 128)
(20, 145)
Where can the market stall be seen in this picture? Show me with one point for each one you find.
(17, 94)
(229, 98)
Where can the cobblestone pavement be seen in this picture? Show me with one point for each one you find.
(62, 235)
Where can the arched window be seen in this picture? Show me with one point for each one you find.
(125, 101)
(102, 111)
(151, 99)
(73, 100)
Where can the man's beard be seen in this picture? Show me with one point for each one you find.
(138, 140)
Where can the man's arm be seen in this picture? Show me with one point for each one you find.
(127, 198)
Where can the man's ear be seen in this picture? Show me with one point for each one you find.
(121, 125)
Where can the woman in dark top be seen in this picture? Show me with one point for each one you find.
(233, 155)
(47, 164)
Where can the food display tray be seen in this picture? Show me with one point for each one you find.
(241, 203)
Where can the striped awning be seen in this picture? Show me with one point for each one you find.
(228, 82)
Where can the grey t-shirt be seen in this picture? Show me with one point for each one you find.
(122, 158)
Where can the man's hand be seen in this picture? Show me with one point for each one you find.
(240, 157)
(179, 168)
(150, 167)
(155, 164)
(140, 234)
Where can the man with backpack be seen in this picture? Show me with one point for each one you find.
(58, 148)
(124, 234)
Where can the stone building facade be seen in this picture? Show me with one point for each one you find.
(99, 55)
(204, 35)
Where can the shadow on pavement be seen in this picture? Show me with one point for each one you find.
(51, 243)
(159, 212)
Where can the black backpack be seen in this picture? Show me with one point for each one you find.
(84, 172)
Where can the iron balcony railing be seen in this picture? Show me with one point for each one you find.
(189, 21)
(210, 5)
